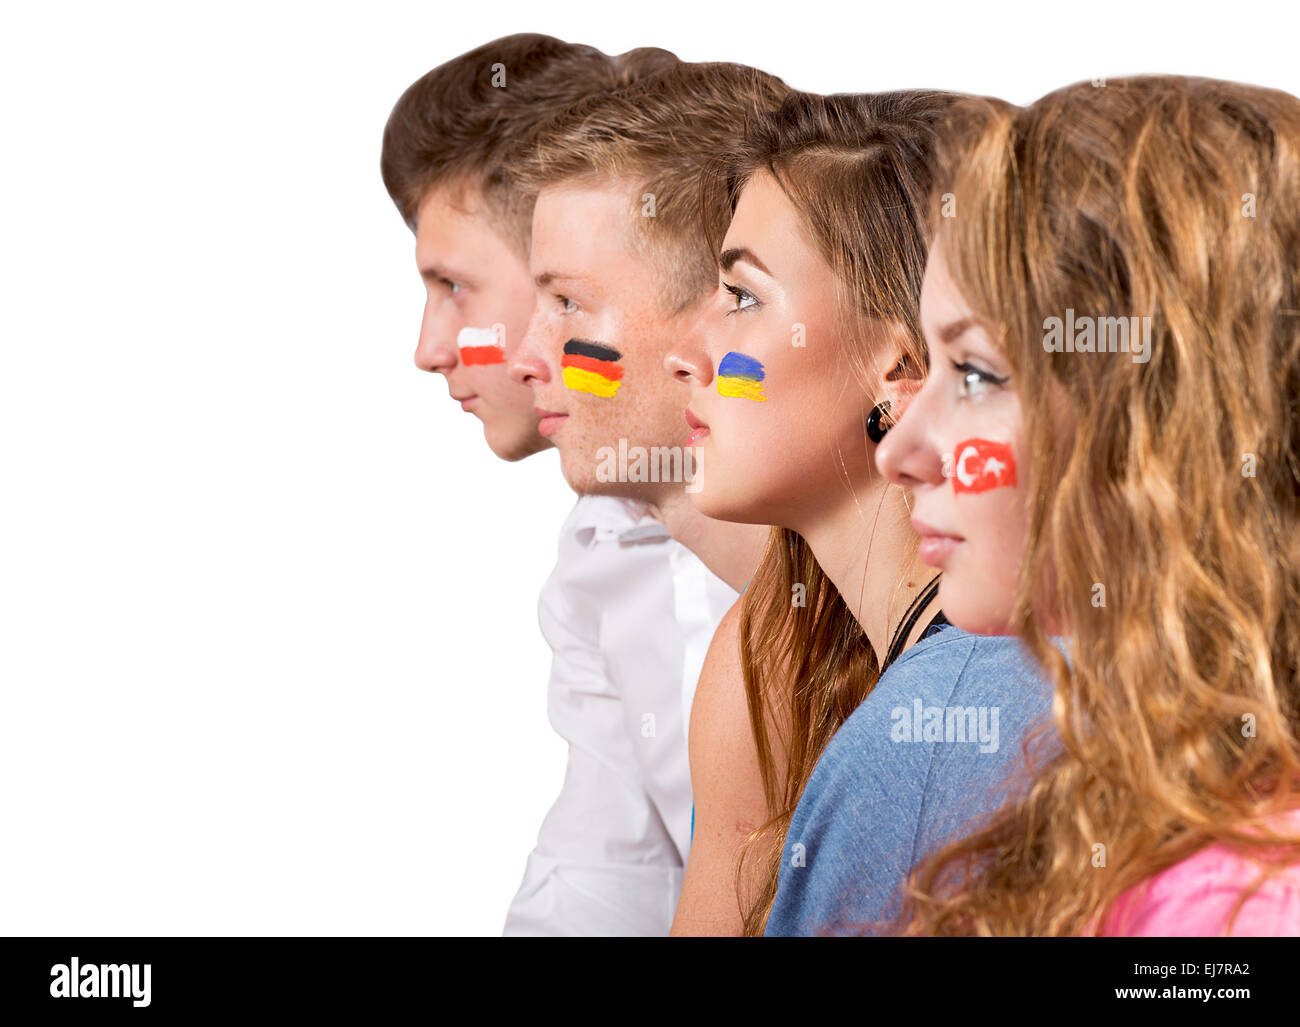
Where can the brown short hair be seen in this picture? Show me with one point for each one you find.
(464, 122)
(665, 132)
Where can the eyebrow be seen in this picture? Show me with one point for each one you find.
(434, 270)
(954, 330)
(545, 278)
(729, 258)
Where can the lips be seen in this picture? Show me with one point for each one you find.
(464, 401)
(936, 545)
(699, 430)
(549, 421)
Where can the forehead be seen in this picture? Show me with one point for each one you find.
(454, 226)
(945, 311)
(767, 223)
(762, 205)
(584, 227)
(941, 303)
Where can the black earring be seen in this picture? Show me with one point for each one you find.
(876, 426)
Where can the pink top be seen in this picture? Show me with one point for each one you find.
(1196, 897)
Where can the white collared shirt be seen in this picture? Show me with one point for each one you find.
(628, 613)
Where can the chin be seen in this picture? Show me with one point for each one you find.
(585, 482)
(970, 608)
(581, 479)
(707, 503)
(723, 505)
(515, 446)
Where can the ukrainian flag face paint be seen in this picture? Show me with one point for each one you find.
(741, 377)
(591, 367)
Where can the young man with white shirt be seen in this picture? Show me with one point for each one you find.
(628, 612)
(623, 269)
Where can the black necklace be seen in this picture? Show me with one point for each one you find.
(910, 618)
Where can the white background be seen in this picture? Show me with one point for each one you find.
(269, 653)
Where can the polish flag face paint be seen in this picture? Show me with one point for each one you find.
(741, 377)
(591, 367)
(982, 465)
(480, 346)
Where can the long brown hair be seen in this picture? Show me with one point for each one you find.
(1174, 482)
(856, 168)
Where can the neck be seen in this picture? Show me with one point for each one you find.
(867, 549)
(731, 551)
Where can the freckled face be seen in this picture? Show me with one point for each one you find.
(474, 279)
(958, 446)
(784, 411)
(598, 297)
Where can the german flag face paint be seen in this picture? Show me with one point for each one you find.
(982, 465)
(591, 367)
(741, 377)
(480, 346)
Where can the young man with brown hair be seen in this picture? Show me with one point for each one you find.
(624, 271)
(447, 146)
(628, 612)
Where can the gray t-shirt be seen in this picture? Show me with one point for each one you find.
(927, 754)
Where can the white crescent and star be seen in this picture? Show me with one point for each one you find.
(964, 476)
(992, 467)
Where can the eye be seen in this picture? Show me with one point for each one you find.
(567, 305)
(745, 300)
(975, 381)
(440, 283)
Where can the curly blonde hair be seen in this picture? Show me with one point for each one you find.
(1174, 482)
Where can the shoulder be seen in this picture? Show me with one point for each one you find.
(1199, 896)
(720, 709)
(724, 649)
(726, 777)
(936, 726)
(603, 543)
(928, 672)
(958, 673)
(953, 659)
(888, 781)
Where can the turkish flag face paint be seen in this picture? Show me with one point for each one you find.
(982, 465)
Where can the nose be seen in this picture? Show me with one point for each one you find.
(436, 349)
(688, 360)
(908, 455)
(526, 365)
(689, 365)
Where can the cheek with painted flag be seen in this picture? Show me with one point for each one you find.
(591, 367)
(481, 346)
(980, 465)
(741, 377)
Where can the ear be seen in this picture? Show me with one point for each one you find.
(899, 368)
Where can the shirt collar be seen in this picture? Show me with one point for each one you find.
(614, 519)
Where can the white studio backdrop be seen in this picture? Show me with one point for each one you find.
(269, 657)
